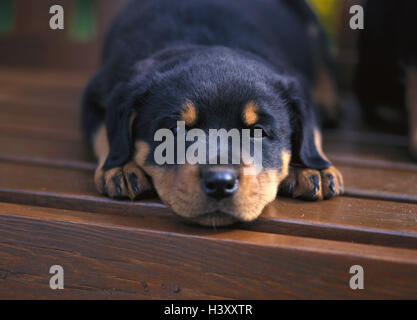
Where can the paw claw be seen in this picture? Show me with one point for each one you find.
(331, 185)
(133, 182)
(103, 186)
(290, 188)
(117, 187)
(316, 184)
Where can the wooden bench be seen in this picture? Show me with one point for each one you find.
(51, 214)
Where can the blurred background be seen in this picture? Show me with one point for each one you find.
(27, 41)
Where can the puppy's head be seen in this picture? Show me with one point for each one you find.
(203, 115)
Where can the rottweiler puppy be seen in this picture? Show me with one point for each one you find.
(212, 64)
(386, 77)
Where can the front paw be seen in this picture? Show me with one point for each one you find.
(310, 184)
(128, 181)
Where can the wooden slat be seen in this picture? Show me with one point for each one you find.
(346, 219)
(390, 184)
(368, 149)
(360, 181)
(42, 77)
(122, 259)
(40, 96)
(52, 214)
(52, 122)
(369, 155)
(44, 148)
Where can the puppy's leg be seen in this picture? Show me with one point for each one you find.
(127, 181)
(312, 184)
(412, 109)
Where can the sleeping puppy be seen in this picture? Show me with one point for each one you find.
(212, 64)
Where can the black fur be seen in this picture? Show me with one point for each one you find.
(220, 55)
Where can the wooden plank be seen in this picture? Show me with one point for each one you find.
(40, 123)
(47, 149)
(368, 149)
(345, 219)
(40, 77)
(119, 261)
(59, 109)
(387, 183)
(369, 155)
(382, 183)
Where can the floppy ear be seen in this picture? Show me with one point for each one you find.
(305, 139)
(124, 100)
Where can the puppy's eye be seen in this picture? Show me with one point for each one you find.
(257, 131)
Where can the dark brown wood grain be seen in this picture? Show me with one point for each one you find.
(109, 260)
(345, 218)
(50, 213)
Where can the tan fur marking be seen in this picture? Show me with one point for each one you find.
(142, 152)
(98, 179)
(304, 184)
(285, 164)
(179, 188)
(101, 145)
(318, 143)
(189, 113)
(131, 120)
(250, 113)
(254, 193)
(101, 150)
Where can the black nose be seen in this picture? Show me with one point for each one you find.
(219, 184)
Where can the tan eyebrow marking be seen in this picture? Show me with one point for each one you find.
(188, 113)
(250, 113)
